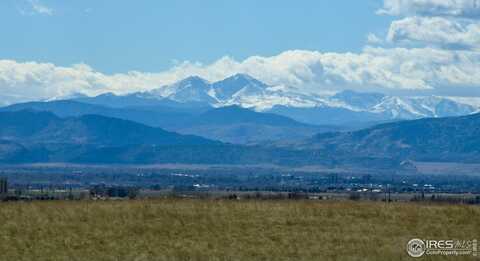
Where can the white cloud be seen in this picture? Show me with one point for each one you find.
(387, 69)
(439, 31)
(373, 39)
(457, 8)
(32, 7)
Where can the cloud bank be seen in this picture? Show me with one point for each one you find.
(397, 68)
(455, 8)
(438, 31)
(440, 23)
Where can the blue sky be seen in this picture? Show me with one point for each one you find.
(119, 36)
(54, 48)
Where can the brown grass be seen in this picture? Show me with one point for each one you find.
(226, 230)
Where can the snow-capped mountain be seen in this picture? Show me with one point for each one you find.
(239, 85)
(420, 107)
(396, 107)
(191, 89)
(239, 89)
(346, 107)
(356, 100)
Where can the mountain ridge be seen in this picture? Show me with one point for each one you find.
(232, 124)
(429, 139)
(39, 127)
(248, 92)
(29, 136)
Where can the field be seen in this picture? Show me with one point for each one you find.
(187, 229)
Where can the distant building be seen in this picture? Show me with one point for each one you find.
(113, 192)
(3, 186)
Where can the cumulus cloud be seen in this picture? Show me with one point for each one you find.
(455, 8)
(390, 69)
(439, 31)
(373, 39)
(32, 7)
(41, 8)
(442, 24)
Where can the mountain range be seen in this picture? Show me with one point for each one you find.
(241, 120)
(28, 136)
(31, 136)
(232, 124)
(42, 136)
(346, 108)
(454, 139)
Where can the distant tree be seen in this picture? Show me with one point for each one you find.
(133, 193)
(354, 196)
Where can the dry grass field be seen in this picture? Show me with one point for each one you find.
(173, 229)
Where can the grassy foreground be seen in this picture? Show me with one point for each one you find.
(226, 230)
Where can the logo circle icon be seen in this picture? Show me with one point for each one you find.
(416, 247)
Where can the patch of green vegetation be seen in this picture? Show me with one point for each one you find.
(180, 229)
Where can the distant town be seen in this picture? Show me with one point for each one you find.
(141, 182)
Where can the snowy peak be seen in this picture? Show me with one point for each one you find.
(239, 84)
(191, 89)
(228, 91)
(360, 100)
(244, 79)
(401, 107)
(447, 107)
(193, 81)
(421, 107)
(248, 92)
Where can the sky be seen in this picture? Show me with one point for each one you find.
(54, 48)
(115, 36)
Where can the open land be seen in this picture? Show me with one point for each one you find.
(193, 229)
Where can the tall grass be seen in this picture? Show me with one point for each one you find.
(173, 229)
